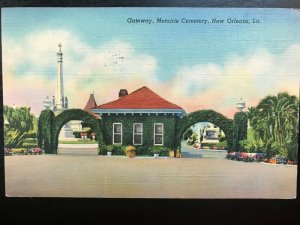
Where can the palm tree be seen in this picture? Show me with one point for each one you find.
(277, 119)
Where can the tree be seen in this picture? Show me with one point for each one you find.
(275, 121)
(21, 122)
(187, 134)
(20, 119)
(239, 129)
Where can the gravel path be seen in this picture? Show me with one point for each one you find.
(102, 176)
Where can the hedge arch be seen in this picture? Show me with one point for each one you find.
(206, 116)
(45, 130)
(50, 126)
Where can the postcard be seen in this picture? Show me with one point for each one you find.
(193, 103)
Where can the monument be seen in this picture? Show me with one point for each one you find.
(59, 102)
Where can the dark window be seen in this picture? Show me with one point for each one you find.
(137, 133)
(158, 134)
(117, 133)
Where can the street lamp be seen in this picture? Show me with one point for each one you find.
(241, 105)
(47, 103)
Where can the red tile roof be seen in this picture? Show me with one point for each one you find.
(142, 98)
(91, 103)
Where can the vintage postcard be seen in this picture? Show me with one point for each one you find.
(189, 103)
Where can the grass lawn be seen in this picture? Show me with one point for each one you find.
(78, 142)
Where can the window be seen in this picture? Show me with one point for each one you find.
(158, 134)
(117, 133)
(137, 133)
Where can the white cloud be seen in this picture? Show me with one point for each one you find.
(103, 69)
(251, 77)
(111, 66)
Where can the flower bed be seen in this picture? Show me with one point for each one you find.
(8, 151)
(258, 157)
(36, 151)
(23, 151)
(246, 157)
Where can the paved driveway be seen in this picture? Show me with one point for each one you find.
(188, 151)
(102, 176)
(77, 149)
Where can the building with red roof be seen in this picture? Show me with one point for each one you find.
(139, 118)
(90, 104)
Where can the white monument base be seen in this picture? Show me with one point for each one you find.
(66, 133)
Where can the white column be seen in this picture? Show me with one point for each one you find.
(59, 98)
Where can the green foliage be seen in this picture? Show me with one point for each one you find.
(275, 122)
(187, 134)
(118, 149)
(292, 148)
(46, 130)
(239, 129)
(144, 150)
(20, 119)
(21, 125)
(140, 150)
(211, 116)
(14, 139)
(49, 127)
(222, 144)
(168, 121)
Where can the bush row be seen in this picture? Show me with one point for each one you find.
(140, 150)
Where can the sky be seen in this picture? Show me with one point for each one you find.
(194, 65)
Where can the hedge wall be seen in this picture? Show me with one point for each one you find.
(240, 125)
(49, 127)
(148, 128)
(45, 130)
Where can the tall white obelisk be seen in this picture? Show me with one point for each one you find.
(59, 96)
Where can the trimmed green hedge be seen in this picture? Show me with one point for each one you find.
(45, 130)
(240, 125)
(140, 150)
(49, 127)
(168, 121)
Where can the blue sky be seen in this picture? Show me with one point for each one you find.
(173, 49)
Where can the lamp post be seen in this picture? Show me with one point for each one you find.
(241, 105)
(47, 103)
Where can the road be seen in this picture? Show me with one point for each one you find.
(121, 177)
(188, 151)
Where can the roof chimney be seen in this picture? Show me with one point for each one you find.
(122, 93)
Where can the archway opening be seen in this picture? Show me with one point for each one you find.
(90, 138)
(77, 132)
(204, 140)
(210, 117)
(77, 137)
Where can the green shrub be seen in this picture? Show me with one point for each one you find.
(162, 151)
(31, 135)
(118, 150)
(30, 141)
(109, 148)
(143, 150)
(221, 144)
(29, 145)
(293, 149)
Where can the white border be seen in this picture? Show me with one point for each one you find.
(137, 133)
(117, 133)
(162, 134)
